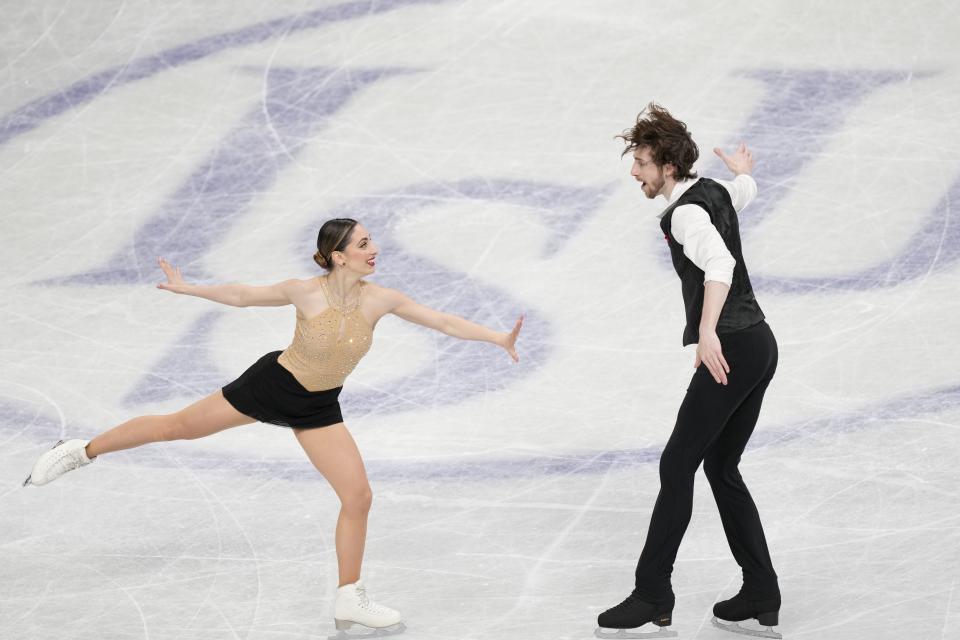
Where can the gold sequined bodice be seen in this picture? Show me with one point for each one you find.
(328, 346)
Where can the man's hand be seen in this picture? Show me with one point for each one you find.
(741, 161)
(710, 354)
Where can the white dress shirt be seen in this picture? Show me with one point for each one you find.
(701, 241)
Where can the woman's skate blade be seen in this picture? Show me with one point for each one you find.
(636, 634)
(347, 630)
(734, 627)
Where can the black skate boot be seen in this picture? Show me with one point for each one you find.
(765, 610)
(632, 613)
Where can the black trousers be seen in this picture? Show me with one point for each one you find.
(713, 426)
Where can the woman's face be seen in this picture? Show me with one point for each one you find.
(360, 253)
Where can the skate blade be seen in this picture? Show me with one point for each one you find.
(633, 633)
(27, 481)
(735, 627)
(363, 631)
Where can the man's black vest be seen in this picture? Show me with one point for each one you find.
(741, 309)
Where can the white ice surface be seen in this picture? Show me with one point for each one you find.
(516, 509)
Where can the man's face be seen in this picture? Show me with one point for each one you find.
(649, 175)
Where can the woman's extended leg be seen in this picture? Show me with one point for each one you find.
(202, 418)
(335, 455)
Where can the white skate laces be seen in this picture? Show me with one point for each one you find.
(354, 606)
(66, 455)
(365, 603)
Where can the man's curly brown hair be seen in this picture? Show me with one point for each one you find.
(667, 138)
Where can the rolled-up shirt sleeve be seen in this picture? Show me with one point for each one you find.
(702, 243)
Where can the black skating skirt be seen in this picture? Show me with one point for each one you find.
(269, 393)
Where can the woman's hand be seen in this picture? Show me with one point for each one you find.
(741, 161)
(710, 354)
(510, 339)
(174, 281)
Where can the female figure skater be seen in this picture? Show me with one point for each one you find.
(736, 359)
(298, 388)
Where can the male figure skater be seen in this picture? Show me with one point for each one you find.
(735, 361)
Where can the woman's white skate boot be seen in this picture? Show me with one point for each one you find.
(353, 606)
(66, 455)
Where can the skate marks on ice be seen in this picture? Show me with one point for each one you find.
(655, 632)
(289, 110)
(33, 114)
(746, 628)
(751, 630)
(355, 631)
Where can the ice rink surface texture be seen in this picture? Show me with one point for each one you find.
(474, 138)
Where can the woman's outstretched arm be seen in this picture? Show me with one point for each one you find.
(235, 295)
(404, 307)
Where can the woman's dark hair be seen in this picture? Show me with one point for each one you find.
(666, 137)
(334, 236)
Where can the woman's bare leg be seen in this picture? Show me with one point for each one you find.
(335, 455)
(202, 418)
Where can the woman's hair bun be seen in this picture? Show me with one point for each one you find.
(334, 235)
